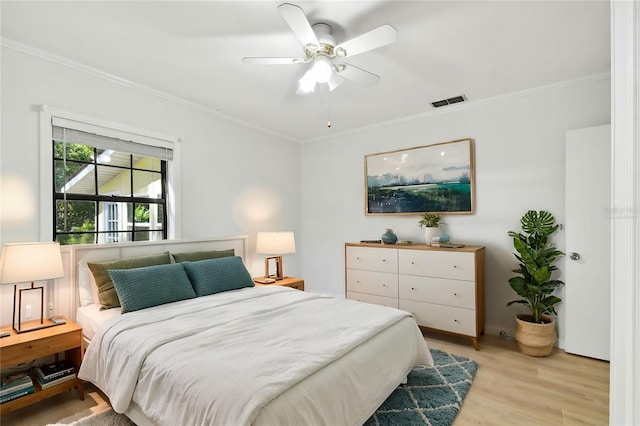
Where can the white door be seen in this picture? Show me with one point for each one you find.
(588, 232)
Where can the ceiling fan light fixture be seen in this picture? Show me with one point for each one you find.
(334, 81)
(322, 69)
(307, 83)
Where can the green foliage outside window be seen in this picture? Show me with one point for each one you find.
(142, 213)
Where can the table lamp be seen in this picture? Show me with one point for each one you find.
(274, 243)
(26, 262)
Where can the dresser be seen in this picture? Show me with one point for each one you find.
(442, 287)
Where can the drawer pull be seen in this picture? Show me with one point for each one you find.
(413, 288)
(384, 285)
(455, 320)
(413, 263)
(455, 294)
(455, 267)
(384, 260)
(357, 258)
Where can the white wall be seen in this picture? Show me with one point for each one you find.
(239, 180)
(235, 180)
(519, 165)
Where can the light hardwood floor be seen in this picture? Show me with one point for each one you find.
(509, 389)
(515, 389)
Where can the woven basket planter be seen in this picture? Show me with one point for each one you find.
(535, 339)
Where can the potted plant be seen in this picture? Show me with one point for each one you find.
(535, 332)
(431, 224)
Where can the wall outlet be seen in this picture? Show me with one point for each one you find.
(27, 312)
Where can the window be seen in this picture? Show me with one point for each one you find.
(110, 183)
(107, 190)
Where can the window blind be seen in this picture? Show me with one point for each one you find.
(133, 144)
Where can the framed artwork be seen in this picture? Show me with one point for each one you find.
(436, 178)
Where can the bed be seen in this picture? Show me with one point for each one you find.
(249, 355)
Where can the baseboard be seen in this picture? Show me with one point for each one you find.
(511, 332)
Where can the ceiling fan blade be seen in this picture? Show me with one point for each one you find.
(297, 20)
(373, 39)
(274, 61)
(357, 75)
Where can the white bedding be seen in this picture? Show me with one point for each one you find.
(223, 359)
(90, 317)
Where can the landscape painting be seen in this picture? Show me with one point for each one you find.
(434, 178)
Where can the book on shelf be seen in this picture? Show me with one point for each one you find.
(54, 371)
(447, 245)
(17, 394)
(11, 384)
(51, 383)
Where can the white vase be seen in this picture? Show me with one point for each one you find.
(431, 232)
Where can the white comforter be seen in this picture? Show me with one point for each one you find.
(219, 359)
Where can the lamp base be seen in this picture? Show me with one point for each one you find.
(264, 280)
(17, 303)
(40, 326)
(278, 261)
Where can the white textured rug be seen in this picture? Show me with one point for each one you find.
(104, 418)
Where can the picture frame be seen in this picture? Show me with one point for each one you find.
(437, 178)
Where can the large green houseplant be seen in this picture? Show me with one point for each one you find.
(534, 283)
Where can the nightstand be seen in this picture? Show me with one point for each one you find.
(25, 347)
(297, 283)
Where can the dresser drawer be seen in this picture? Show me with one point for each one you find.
(447, 318)
(438, 290)
(371, 298)
(379, 283)
(439, 264)
(373, 259)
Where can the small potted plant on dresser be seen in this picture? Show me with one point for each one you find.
(535, 332)
(431, 224)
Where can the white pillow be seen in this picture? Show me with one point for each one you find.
(87, 288)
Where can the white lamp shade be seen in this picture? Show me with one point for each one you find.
(29, 262)
(275, 243)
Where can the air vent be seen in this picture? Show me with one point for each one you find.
(454, 100)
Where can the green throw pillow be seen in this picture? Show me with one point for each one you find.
(141, 288)
(106, 292)
(216, 275)
(194, 256)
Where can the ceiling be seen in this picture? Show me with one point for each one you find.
(194, 50)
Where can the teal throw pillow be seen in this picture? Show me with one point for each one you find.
(141, 288)
(106, 292)
(216, 275)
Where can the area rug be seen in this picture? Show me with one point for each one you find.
(432, 396)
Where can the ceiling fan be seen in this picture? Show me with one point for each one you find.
(325, 55)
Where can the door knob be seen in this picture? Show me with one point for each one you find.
(574, 256)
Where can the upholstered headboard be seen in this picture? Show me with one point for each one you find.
(68, 291)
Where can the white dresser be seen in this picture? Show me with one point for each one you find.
(443, 288)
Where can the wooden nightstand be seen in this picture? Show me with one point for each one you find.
(297, 283)
(25, 347)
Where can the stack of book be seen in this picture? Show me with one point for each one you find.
(447, 245)
(54, 374)
(13, 387)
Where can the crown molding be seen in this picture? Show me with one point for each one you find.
(95, 72)
(78, 66)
